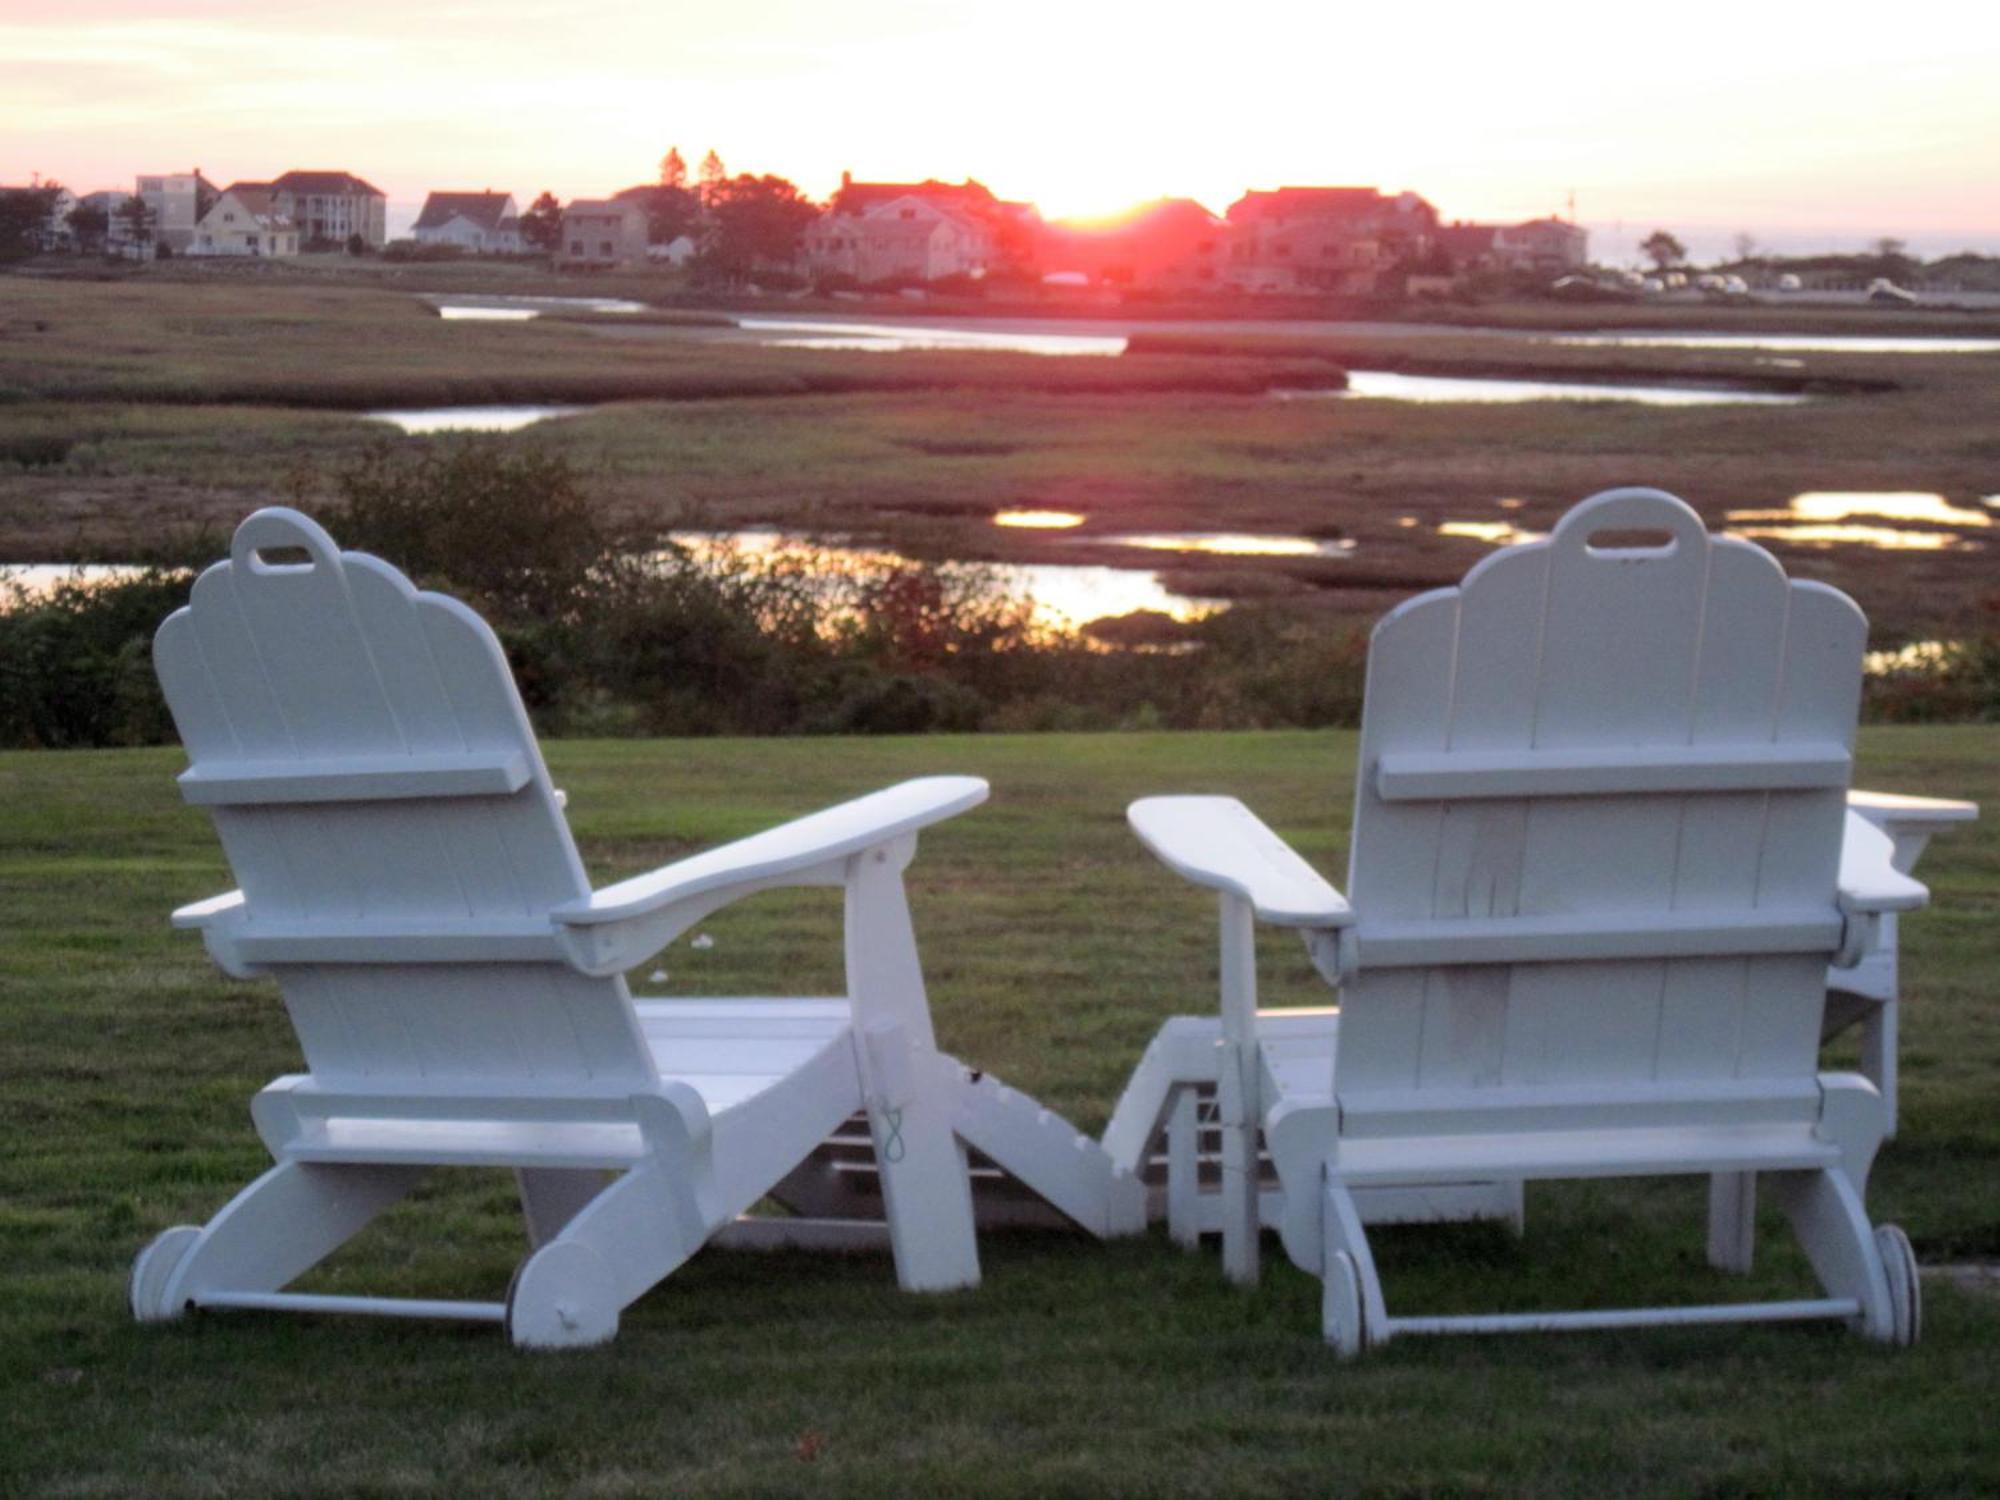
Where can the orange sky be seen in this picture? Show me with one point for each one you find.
(1729, 118)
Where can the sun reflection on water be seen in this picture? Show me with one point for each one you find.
(1827, 518)
(1039, 520)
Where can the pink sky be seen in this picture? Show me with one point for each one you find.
(1730, 117)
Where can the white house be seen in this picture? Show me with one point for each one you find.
(176, 201)
(603, 232)
(485, 223)
(245, 220)
(910, 238)
(1550, 245)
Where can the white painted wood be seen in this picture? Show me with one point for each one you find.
(1596, 878)
(1219, 843)
(1447, 776)
(356, 779)
(407, 878)
(1867, 993)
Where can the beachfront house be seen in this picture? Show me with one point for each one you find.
(486, 223)
(331, 208)
(175, 203)
(1316, 240)
(603, 232)
(246, 221)
(1551, 245)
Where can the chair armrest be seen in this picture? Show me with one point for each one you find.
(1219, 843)
(612, 929)
(216, 910)
(1891, 809)
(1870, 883)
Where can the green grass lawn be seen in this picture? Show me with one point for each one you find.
(1053, 947)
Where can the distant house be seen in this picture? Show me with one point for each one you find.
(917, 231)
(485, 223)
(1467, 247)
(1325, 239)
(1554, 246)
(175, 202)
(602, 232)
(904, 239)
(331, 208)
(246, 220)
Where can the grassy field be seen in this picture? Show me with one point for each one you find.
(1053, 948)
(135, 408)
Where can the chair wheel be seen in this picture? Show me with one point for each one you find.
(154, 1267)
(563, 1297)
(1343, 1316)
(1906, 1291)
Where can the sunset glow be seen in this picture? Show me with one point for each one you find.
(1719, 119)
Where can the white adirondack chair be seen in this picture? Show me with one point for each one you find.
(1868, 993)
(1601, 861)
(409, 880)
(1167, 1127)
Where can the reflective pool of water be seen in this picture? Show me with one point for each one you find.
(1064, 595)
(1039, 520)
(1384, 385)
(1499, 533)
(471, 307)
(1799, 342)
(1232, 544)
(890, 338)
(1840, 518)
(471, 418)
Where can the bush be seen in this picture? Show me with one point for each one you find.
(76, 663)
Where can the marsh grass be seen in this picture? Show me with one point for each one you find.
(1053, 947)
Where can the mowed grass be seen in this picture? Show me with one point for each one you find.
(1053, 947)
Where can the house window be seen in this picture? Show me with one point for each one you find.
(604, 248)
(576, 247)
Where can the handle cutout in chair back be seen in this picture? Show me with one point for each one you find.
(279, 541)
(1631, 525)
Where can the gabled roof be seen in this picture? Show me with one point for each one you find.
(859, 197)
(326, 185)
(487, 210)
(259, 200)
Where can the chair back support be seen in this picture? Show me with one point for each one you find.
(1597, 824)
(383, 804)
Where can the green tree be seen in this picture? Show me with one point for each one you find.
(541, 225)
(25, 220)
(713, 176)
(138, 220)
(1663, 249)
(755, 221)
(90, 225)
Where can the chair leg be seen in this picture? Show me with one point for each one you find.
(1878, 1057)
(277, 1229)
(1732, 1221)
(1353, 1315)
(630, 1237)
(1826, 1212)
(1184, 1169)
(926, 1187)
(552, 1196)
(1241, 1224)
